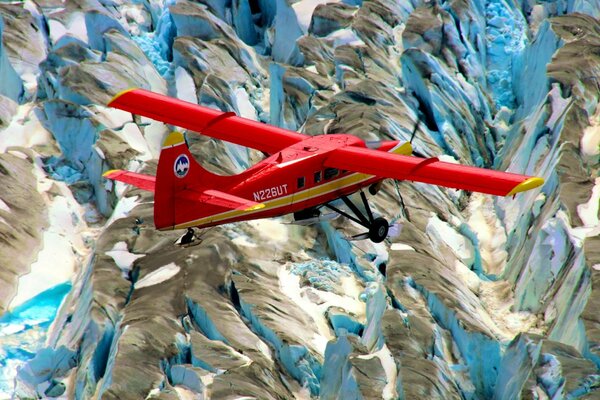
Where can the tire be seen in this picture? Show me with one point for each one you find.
(379, 230)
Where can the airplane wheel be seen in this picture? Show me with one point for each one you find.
(374, 188)
(379, 230)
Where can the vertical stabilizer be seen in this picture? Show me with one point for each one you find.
(177, 170)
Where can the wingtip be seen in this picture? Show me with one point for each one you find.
(173, 139)
(110, 172)
(121, 93)
(404, 149)
(527, 184)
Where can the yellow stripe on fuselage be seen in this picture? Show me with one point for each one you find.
(307, 194)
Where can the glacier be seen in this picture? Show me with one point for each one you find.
(473, 298)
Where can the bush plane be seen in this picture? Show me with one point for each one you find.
(300, 174)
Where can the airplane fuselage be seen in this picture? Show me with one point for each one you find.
(288, 181)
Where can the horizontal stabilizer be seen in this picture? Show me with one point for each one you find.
(430, 170)
(221, 199)
(142, 181)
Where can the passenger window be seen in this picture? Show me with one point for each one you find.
(330, 172)
(300, 182)
(317, 176)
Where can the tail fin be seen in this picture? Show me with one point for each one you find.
(177, 170)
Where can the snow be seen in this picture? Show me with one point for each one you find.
(123, 208)
(441, 231)
(243, 104)
(160, 275)
(491, 236)
(401, 247)
(184, 84)
(289, 282)
(588, 212)
(63, 247)
(4, 206)
(24, 130)
(271, 229)
(345, 36)
(133, 136)
(123, 258)
(304, 10)
(391, 371)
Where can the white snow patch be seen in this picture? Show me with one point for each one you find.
(590, 141)
(271, 229)
(492, 237)
(4, 206)
(401, 247)
(290, 286)
(389, 366)
(345, 36)
(160, 275)
(443, 232)
(467, 276)
(242, 240)
(304, 10)
(112, 118)
(588, 212)
(596, 267)
(123, 258)
(244, 105)
(447, 158)
(25, 130)
(56, 262)
(154, 132)
(123, 208)
(133, 136)
(57, 30)
(184, 84)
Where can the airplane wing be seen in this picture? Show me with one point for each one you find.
(221, 199)
(430, 170)
(142, 181)
(217, 124)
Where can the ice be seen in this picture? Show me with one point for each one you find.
(287, 31)
(304, 10)
(123, 258)
(184, 83)
(588, 212)
(345, 36)
(441, 231)
(24, 130)
(4, 206)
(160, 275)
(123, 208)
(10, 83)
(22, 332)
(62, 249)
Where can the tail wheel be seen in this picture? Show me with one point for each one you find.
(378, 230)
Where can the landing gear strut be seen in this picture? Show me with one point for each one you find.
(378, 227)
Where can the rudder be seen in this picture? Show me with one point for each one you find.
(177, 169)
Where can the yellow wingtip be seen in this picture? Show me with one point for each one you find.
(405, 149)
(255, 207)
(121, 93)
(527, 184)
(109, 172)
(173, 139)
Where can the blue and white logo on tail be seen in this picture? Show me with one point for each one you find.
(181, 166)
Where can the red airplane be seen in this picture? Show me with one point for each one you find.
(300, 174)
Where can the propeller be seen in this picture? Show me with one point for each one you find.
(412, 136)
